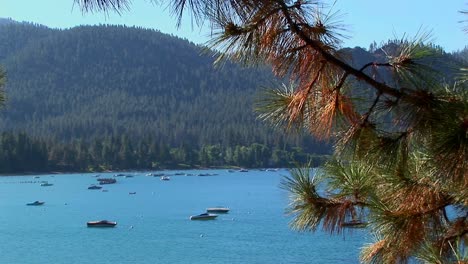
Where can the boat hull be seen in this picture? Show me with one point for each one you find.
(217, 210)
(101, 224)
(35, 203)
(204, 217)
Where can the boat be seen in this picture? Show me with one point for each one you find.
(46, 184)
(218, 210)
(132, 193)
(36, 203)
(101, 223)
(165, 178)
(354, 224)
(204, 216)
(94, 187)
(106, 181)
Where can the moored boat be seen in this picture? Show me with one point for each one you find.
(354, 224)
(165, 178)
(94, 187)
(204, 216)
(36, 203)
(106, 181)
(218, 210)
(46, 184)
(101, 223)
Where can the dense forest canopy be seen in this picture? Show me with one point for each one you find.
(136, 87)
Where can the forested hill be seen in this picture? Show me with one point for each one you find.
(88, 82)
(107, 84)
(114, 97)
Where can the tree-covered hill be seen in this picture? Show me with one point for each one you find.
(98, 83)
(128, 90)
(87, 82)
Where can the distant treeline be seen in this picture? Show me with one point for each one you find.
(20, 153)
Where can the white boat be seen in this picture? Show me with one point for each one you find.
(165, 178)
(204, 216)
(218, 210)
(46, 184)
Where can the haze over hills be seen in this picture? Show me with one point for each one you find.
(90, 83)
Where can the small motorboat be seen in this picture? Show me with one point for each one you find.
(132, 193)
(354, 224)
(46, 184)
(218, 210)
(165, 178)
(106, 181)
(36, 203)
(101, 223)
(94, 187)
(204, 216)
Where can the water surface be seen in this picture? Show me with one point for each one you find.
(153, 224)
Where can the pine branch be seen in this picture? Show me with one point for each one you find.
(317, 46)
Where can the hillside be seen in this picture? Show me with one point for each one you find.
(129, 87)
(87, 82)
(91, 93)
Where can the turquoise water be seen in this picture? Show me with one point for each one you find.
(153, 224)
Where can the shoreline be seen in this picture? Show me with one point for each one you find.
(125, 171)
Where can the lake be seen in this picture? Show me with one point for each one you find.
(153, 224)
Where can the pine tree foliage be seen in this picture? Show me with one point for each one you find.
(400, 166)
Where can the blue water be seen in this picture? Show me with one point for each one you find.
(154, 226)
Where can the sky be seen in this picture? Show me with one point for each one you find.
(366, 20)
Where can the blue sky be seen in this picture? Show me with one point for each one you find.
(366, 20)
